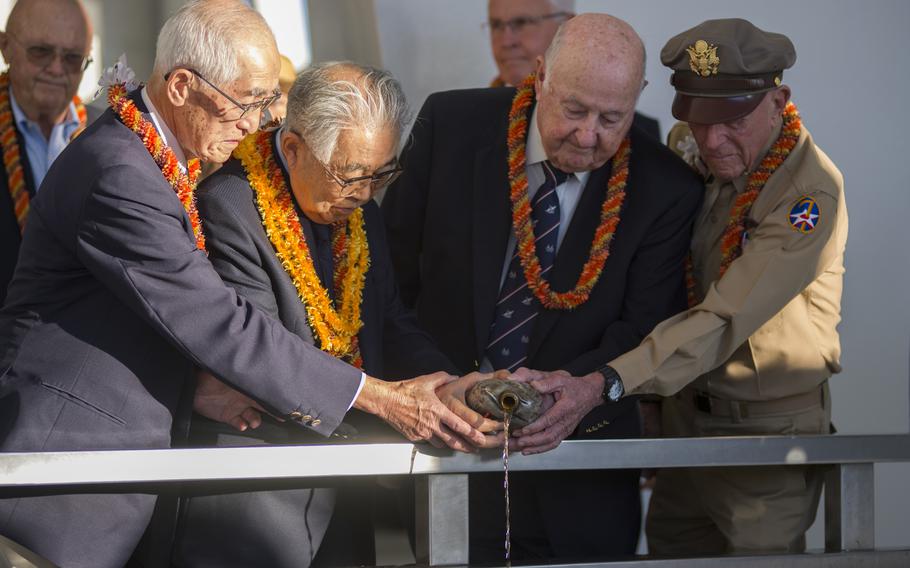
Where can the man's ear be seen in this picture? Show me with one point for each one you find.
(177, 86)
(4, 45)
(292, 149)
(780, 96)
(541, 74)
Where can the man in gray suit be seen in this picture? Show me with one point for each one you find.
(337, 148)
(113, 305)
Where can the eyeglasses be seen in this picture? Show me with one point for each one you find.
(42, 55)
(245, 108)
(350, 186)
(521, 23)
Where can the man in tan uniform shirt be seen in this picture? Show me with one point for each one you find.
(754, 352)
(754, 355)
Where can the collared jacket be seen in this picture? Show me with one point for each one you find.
(767, 329)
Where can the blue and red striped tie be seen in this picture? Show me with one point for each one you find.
(517, 307)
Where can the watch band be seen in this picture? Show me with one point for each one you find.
(613, 385)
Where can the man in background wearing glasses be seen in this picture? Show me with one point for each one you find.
(45, 45)
(520, 33)
(113, 305)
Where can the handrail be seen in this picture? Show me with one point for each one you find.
(442, 483)
(299, 462)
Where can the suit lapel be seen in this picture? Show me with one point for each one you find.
(492, 212)
(574, 250)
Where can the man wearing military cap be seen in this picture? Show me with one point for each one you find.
(753, 353)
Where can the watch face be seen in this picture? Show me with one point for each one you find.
(615, 391)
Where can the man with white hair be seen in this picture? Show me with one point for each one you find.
(338, 147)
(114, 303)
(540, 228)
(46, 46)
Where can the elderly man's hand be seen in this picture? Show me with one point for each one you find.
(217, 401)
(573, 397)
(413, 408)
(453, 396)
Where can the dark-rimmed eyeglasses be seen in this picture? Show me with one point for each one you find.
(41, 55)
(521, 23)
(244, 108)
(350, 186)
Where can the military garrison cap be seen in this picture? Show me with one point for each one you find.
(722, 68)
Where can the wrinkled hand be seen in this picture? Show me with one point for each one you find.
(413, 408)
(574, 397)
(217, 401)
(453, 396)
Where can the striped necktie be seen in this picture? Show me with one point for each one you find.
(517, 307)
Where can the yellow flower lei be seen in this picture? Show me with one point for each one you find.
(336, 329)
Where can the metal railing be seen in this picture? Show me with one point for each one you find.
(442, 481)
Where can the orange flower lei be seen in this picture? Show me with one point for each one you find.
(183, 183)
(731, 244)
(15, 178)
(336, 329)
(521, 211)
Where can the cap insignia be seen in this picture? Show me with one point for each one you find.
(703, 58)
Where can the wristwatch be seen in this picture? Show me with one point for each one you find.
(613, 387)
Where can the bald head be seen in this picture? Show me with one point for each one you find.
(45, 45)
(37, 13)
(597, 46)
(588, 83)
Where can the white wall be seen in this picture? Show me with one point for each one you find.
(851, 84)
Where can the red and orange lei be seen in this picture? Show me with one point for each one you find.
(184, 184)
(15, 177)
(732, 241)
(336, 329)
(521, 211)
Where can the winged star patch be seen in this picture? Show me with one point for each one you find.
(805, 215)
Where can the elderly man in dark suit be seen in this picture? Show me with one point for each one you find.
(113, 304)
(46, 45)
(339, 146)
(565, 278)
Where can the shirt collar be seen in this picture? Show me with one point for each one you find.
(163, 130)
(70, 119)
(535, 152)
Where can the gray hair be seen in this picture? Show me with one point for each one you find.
(320, 105)
(202, 36)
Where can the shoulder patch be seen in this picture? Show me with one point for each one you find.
(805, 215)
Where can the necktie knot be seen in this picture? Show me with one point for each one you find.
(554, 176)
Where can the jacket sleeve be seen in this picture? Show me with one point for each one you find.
(134, 237)
(654, 286)
(776, 265)
(233, 253)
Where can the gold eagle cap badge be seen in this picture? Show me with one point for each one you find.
(703, 58)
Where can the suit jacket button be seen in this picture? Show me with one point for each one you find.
(306, 418)
(316, 422)
(296, 415)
